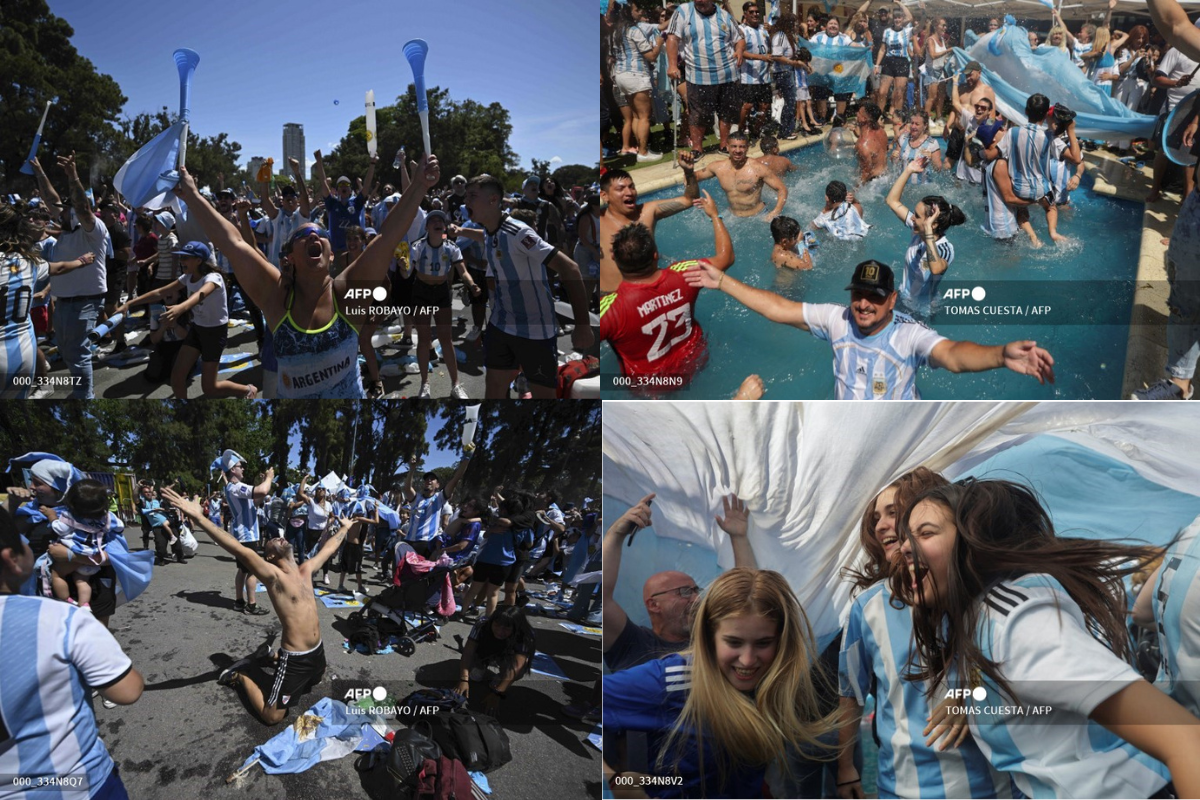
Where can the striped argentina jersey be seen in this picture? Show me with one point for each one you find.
(707, 44)
(1061, 170)
(998, 221)
(878, 367)
(897, 42)
(918, 284)
(1029, 150)
(1176, 617)
(18, 356)
(649, 698)
(243, 522)
(628, 53)
(841, 40)
(876, 649)
(757, 42)
(1043, 739)
(522, 304)
(426, 517)
(909, 153)
(52, 652)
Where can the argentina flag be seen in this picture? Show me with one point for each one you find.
(842, 70)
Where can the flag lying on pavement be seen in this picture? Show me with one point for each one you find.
(325, 732)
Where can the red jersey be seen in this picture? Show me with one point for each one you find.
(650, 327)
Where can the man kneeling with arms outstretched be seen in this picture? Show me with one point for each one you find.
(302, 654)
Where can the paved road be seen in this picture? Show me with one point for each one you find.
(187, 733)
(127, 381)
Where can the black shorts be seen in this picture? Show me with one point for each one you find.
(537, 358)
(480, 278)
(819, 92)
(895, 66)
(104, 592)
(402, 289)
(496, 574)
(209, 341)
(722, 98)
(756, 93)
(115, 272)
(427, 296)
(295, 674)
(352, 557)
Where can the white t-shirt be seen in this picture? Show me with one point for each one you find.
(212, 310)
(85, 281)
(1174, 65)
(318, 515)
(1038, 636)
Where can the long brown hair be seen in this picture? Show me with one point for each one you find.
(785, 708)
(785, 24)
(908, 486)
(1004, 532)
(18, 234)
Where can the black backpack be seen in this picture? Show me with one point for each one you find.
(422, 699)
(366, 633)
(477, 740)
(410, 749)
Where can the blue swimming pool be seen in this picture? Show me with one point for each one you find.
(1084, 290)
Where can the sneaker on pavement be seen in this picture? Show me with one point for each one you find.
(40, 392)
(255, 610)
(108, 703)
(424, 393)
(228, 676)
(239, 605)
(458, 392)
(1166, 389)
(473, 334)
(650, 156)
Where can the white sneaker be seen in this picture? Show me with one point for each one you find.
(424, 393)
(40, 392)
(650, 156)
(458, 393)
(473, 334)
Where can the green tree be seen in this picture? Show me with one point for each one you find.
(468, 138)
(576, 175)
(38, 63)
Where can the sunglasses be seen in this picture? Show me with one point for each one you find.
(683, 591)
(303, 232)
(982, 107)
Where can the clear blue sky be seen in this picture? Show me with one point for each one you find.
(264, 64)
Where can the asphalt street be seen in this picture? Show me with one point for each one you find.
(115, 380)
(187, 734)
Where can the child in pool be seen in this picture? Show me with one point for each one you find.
(84, 526)
(842, 215)
(789, 250)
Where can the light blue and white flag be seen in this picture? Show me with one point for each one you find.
(326, 731)
(841, 69)
(772, 11)
(133, 570)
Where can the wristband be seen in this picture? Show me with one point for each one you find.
(720, 280)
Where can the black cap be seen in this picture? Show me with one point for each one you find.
(973, 66)
(224, 193)
(872, 276)
(288, 190)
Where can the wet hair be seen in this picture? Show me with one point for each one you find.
(633, 249)
(803, 54)
(769, 143)
(836, 191)
(1036, 107)
(785, 708)
(613, 175)
(87, 499)
(922, 114)
(876, 568)
(18, 234)
(949, 214)
(784, 228)
(741, 136)
(874, 112)
(1004, 533)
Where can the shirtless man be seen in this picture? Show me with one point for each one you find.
(743, 179)
(971, 92)
(621, 208)
(301, 662)
(872, 145)
(771, 159)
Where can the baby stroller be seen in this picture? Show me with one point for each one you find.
(405, 609)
